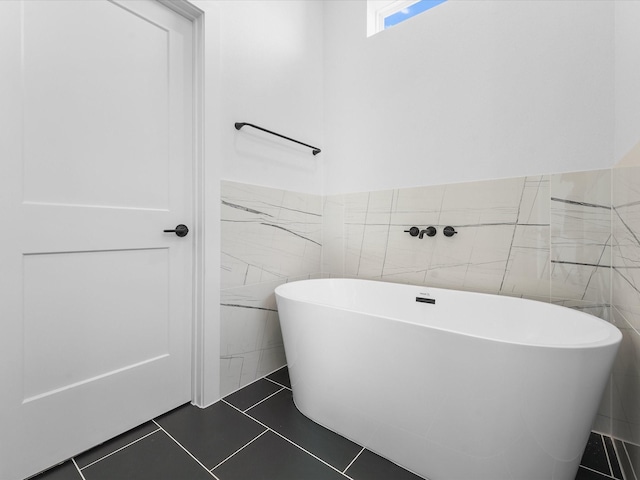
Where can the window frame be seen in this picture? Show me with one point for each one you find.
(379, 10)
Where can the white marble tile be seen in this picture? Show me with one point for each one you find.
(592, 187)
(528, 273)
(230, 373)
(418, 206)
(406, 256)
(626, 186)
(371, 208)
(251, 342)
(354, 236)
(270, 359)
(626, 249)
(355, 208)
(241, 369)
(626, 228)
(600, 310)
(570, 281)
(602, 424)
(475, 260)
(628, 359)
(581, 238)
(598, 290)
(241, 329)
(625, 293)
(333, 236)
(580, 234)
(486, 202)
(581, 217)
(626, 379)
(534, 205)
(238, 370)
(626, 300)
(483, 244)
(532, 237)
(373, 251)
(268, 233)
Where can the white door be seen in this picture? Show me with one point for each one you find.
(95, 162)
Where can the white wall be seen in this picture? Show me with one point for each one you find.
(627, 80)
(262, 65)
(271, 75)
(469, 90)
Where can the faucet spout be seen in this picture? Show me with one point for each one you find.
(430, 231)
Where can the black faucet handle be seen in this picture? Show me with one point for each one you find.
(449, 231)
(413, 231)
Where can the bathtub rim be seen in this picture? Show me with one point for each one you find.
(613, 338)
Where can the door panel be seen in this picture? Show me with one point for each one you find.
(78, 305)
(95, 300)
(111, 58)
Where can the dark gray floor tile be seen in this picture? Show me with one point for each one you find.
(634, 456)
(252, 394)
(273, 458)
(65, 471)
(623, 459)
(281, 376)
(210, 434)
(114, 444)
(594, 456)
(369, 466)
(155, 457)
(613, 458)
(585, 474)
(279, 413)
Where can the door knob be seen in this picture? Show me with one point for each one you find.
(181, 230)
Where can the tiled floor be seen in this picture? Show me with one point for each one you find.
(257, 433)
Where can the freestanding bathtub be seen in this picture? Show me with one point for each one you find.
(450, 385)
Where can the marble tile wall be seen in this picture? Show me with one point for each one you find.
(580, 206)
(268, 237)
(626, 304)
(545, 237)
(502, 244)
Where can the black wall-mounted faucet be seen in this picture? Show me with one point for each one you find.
(430, 231)
(416, 232)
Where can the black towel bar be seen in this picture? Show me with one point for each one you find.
(239, 125)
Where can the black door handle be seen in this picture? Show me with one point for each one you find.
(181, 230)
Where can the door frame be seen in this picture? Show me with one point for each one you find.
(199, 372)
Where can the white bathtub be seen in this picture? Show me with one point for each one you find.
(470, 387)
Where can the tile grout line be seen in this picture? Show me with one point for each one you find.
(597, 471)
(633, 471)
(352, 461)
(118, 450)
(279, 384)
(256, 380)
(183, 447)
(620, 456)
(288, 440)
(263, 400)
(606, 452)
(239, 450)
(78, 468)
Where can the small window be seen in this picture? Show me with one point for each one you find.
(383, 14)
